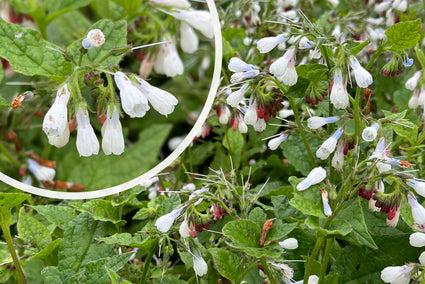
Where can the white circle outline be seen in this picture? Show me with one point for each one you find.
(167, 161)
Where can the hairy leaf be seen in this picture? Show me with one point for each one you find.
(228, 263)
(403, 35)
(30, 228)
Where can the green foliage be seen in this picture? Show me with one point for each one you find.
(30, 229)
(229, 264)
(404, 35)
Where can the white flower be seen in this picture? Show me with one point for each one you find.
(189, 186)
(421, 98)
(189, 41)
(422, 258)
(383, 6)
(260, 125)
(238, 65)
(329, 145)
(242, 127)
(266, 44)
(417, 240)
(87, 143)
(316, 122)
(40, 172)
(184, 229)
(55, 120)
(362, 76)
(162, 101)
(339, 94)
(334, 2)
(418, 212)
(326, 207)
(199, 19)
(240, 76)
(165, 222)
(278, 67)
(172, 3)
(305, 43)
(338, 158)
(393, 222)
(379, 186)
(284, 113)
(237, 96)
(250, 116)
(113, 139)
(289, 76)
(275, 142)
(199, 265)
(133, 101)
(369, 133)
(95, 38)
(224, 115)
(316, 176)
(290, 243)
(61, 140)
(167, 61)
(396, 274)
(400, 5)
(413, 81)
(418, 186)
(414, 99)
(149, 182)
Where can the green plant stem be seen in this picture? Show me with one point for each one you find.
(268, 272)
(180, 170)
(325, 261)
(147, 264)
(6, 232)
(301, 129)
(9, 156)
(356, 110)
(309, 265)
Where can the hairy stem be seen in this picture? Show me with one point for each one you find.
(325, 261)
(310, 261)
(147, 265)
(267, 271)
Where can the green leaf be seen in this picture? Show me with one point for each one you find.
(7, 202)
(258, 216)
(408, 130)
(403, 35)
(282, 206)
(127, 197)
(115, 36)
(228, 264)
(113, 276)
(47, 251)
(312, 72)
(55, 8)
(142, 241)
(58, 215)
(4, 103)
(30, 229)
(104, 171)
(96, 272)
(308, 201)
(338, 227)
(142, 214)
(28, 54)
(67, 28)
(101, 210)
(169, 278)
(360, 235)
(280, 230)
(234, 142)
(299, 89)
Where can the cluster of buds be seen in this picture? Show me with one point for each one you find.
(389, 204)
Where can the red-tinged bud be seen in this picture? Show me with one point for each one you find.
(192, 230)
(267, 117)
(234, 122)
(391, 212)
(260, 112)
(22, 171)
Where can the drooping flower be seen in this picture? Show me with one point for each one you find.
(316, 176)
(290, 76)
(417, 240)
(200, 20)
(400, 5)
(238, 65)
(189, 41)
(165, 222)
(414, 99)
(379, 186)
(95, 38)
(260, 125)
(61, 140)
(422, 258)
(396, 274)
(418, 186)
(418, 212)
(338, 158)
(362, 76)
(133, 101)
(326, 208)
(40, 172)
(305, 43)
(113, 139)
(250, 116)
(240, 76)
(184, 229)
(199, 264)
(274, 143)
(242, 127)
(172, 3)
(369, 133)
(168, 61)
(290, 243)
(224, 115)
(329, 145)
(316, 122)
(279, 67)
(266, 44)
(413, 81)
(55, 120)
(237, 96)
(87, 143)
(339, 94)
(162, 101)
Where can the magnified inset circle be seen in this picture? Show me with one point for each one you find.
(164, 163)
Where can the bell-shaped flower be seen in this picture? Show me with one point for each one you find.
(279, 67)
(418, 186)
(316, 122)
(369, 133)
(413, 81)
(284, 113)
(289, 76)
(316, 176)
(417, 240)
(133, 101)
(305, 43)
(274, 143)
(168, 61)
(338, 158)
(184, 229)
(55, 120)
(290, 243)
(224, 115)
(237, 96)
(242, 127)
(418, 212)
(95, 38)
(199, 264)
(266, 44)
(240, 76)
(165, 222)
(414, 99)
(87, 143)
(339, 94)
(172, 3)
(40, 172)
(383, 6)
(200, 20)
(260, 125)
(422, 258)
(396, 274)
(113, 139)
(400, 5)
(189, 41)
(379, 186)
(61, 140)
(238, 65)
(329, 145)
(362, 76)
(250, 116)
(162, 101)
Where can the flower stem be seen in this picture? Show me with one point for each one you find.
(356, 110)
(267, 271)
(147, 264)
(325, 261)
(301, 129)
(9, 156)
(6, 232)
(309, 265)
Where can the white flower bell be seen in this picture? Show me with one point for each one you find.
(87, 143)
(266, 44)
(40, 172)
(95, 38)
(369, 133)
(113, 139)
(168, 61)
(189, 41)
(55, 121)
(316, 176)
(200, 20)
(396, 274)
(316, 122)
(329, 145)
(417, 240)
(362, 76)
(339, 94)
(133, 101)
(162, 101)
(165, 222)
(199, 265)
